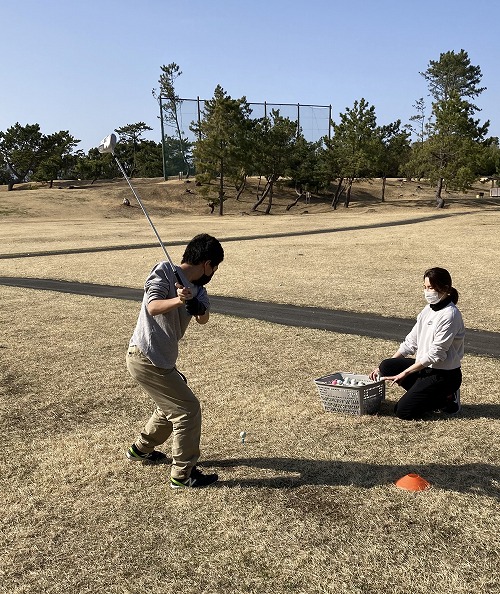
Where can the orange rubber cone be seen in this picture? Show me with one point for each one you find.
(412, 482)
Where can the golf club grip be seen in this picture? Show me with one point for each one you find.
(179, 280)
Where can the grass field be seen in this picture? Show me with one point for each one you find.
(308, 503)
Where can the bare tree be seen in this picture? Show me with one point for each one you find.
(170, 105)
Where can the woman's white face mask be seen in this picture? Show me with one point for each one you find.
(432, 296)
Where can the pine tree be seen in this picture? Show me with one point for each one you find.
(452, 152)
(354, 147)
(223, 145)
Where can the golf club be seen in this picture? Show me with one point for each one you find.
(108, 146)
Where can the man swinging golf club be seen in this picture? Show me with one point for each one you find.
(166, 311)
(172, 296)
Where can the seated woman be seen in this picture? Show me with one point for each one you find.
(432, 379)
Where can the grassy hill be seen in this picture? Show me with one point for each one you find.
(164, 198)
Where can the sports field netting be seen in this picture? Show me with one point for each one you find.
(314, 120)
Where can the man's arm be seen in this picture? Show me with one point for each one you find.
(159, 306)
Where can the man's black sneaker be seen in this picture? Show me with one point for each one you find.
(196, 480)
(135, 455)
(453, 406)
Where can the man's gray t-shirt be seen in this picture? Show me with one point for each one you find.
(158, 336)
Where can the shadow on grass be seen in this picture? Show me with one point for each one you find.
(478, 411)
(473, 478)
(469, 411)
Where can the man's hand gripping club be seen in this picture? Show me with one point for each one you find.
(193, 306)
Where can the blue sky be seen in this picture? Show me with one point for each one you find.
(90, 66)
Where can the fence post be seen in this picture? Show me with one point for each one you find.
(164, 158)
(199, 117)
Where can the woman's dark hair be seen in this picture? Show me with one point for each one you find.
(202, 248)
(440, 280)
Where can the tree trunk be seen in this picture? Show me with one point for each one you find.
(384, 180)
(181, 144)
(338, 193)
(295, 202)
(270, 203)
(221, 188)
(266, 191)
(348, 193)
(258, 186)
(240, 188)
(439, 198)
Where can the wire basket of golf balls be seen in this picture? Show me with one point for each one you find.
(350, 393)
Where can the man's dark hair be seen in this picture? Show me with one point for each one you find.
(201, 248)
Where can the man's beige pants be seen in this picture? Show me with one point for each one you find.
(177, 413)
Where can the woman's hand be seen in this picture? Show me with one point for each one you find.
(375, 374)
(396, 379)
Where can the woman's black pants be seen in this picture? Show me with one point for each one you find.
(426, 390)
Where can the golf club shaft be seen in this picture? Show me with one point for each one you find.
(149, 221)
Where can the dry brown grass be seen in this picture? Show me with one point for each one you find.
(308, 503)
(369, 257)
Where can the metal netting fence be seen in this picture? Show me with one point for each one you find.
(313, 120)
